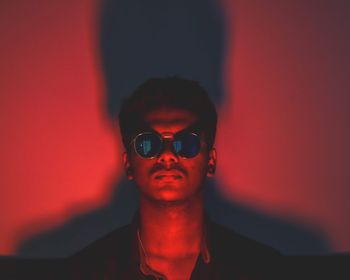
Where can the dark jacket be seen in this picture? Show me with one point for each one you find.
(233, 256)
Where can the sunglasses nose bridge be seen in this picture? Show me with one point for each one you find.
(167, 136)
(167, 141)
(167, 153)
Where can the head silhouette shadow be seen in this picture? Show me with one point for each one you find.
(289, 238)
(143, 39)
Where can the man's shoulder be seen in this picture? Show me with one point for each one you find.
(226, 242)
(235, 254)
(113, 244)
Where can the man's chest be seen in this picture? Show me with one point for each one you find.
(173, 269)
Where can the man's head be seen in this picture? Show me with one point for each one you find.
(168, 128)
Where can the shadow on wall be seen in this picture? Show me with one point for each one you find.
(143, 39)
(289, 238)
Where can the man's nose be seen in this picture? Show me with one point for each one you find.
(167, 156)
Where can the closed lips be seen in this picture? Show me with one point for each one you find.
(174, 174)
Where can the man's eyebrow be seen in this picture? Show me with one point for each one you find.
(196, 127)
(167, 121)
(192, 128)
(145, 128)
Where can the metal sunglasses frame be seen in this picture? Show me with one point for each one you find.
(166, 135)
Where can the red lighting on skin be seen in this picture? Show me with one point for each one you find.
(282, 139)
(168, 174)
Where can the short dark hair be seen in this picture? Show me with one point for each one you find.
(172, 92)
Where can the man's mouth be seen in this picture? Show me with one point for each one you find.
(168, 174)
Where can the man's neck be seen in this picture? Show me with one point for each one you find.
(172, 230)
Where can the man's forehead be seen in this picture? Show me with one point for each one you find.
(169, 120)
(170, 116)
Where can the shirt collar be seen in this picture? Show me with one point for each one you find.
(138, 256)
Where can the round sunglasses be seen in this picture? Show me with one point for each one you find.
(151, 144)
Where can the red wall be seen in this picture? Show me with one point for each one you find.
(53, 129)
(283, 136)
(288, 123)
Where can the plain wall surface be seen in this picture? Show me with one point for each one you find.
(283, 138)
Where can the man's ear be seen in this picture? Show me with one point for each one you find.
(127, 166)
(211, 162)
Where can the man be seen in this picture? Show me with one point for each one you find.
(168, 128)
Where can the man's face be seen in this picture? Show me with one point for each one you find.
(169, 177)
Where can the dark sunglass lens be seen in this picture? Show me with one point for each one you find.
(187, 145)
(148, 145)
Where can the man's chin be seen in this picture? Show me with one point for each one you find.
(171, 201)
(169, 195)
